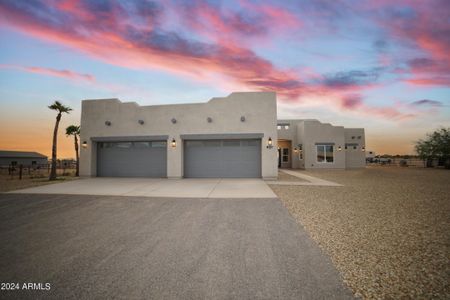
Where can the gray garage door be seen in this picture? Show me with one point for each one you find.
(132, 159)
(222, 158)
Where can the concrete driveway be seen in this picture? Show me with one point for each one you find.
(156, 187)
(159, 248)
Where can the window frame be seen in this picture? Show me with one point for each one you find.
(324, 149)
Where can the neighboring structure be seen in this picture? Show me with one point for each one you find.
(225, 137)
(16, 158)
(310, 144)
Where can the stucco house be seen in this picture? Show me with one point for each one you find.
(230, 137)
(25, 158)
(310, 144)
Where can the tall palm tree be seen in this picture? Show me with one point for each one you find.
(60, 108)
(75, 131)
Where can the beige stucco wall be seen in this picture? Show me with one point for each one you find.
(258, 108)
(355, 158)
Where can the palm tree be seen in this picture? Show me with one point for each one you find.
(75, 131)
(60, 109)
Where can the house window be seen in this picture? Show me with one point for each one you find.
(33, 163)
(14, 163)
(300, 151)
(285, 155)
(325, 153)
(353, 137)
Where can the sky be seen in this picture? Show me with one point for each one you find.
(382, 65)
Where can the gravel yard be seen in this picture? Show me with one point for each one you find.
(386, 230)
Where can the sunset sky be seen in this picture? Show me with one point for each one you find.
(382, 65)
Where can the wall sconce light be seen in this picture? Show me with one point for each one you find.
(174, 143)
(339, 148)
(295, 150)
(363, 149)
(141, 122)
(107, 123)
(84, 145)
(242, 118)
(209, 119)
(269, 143)
(173, 120)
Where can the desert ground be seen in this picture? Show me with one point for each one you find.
(386, 230)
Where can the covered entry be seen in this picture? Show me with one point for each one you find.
(132, 158)
(222, 158)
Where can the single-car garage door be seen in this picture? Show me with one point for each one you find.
(132, 159)
(222, 158)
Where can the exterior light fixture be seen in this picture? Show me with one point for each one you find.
(363, 149)
(174, 143)
(242, 118)
(141, 122)
(209, 119)
(173, 120)
(295, 150)
(269, 143)
(84, 145)
(339, 148)
(107, 123)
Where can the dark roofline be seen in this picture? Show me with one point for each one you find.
(21, 154)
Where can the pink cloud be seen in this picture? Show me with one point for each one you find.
(53, 72)
(109, 34)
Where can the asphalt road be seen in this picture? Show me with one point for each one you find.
(159, 248)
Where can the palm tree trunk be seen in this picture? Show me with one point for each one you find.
(77, 172)
(54, 146)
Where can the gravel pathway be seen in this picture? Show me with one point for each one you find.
(386, 230)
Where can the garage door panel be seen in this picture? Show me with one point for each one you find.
(132, 159)
(222, 158)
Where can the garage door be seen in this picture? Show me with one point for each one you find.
(132, 159)
(222, 158)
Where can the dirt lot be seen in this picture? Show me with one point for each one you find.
(10, 183)
(386, 230)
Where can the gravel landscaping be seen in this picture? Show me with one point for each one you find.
(386, 230)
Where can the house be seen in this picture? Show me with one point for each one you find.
(230, 137)
(310, 144)
(16, 158)
(234, 136)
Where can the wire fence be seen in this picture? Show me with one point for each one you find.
(35, 171)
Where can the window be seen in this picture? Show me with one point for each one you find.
(325, 153)
(14, 163)
(300, 151)
(285, 155)
(232, 143)
(33, 162)
(353, 137)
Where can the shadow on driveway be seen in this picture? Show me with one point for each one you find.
(154, 248)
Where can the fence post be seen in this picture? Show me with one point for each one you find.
(20, 171)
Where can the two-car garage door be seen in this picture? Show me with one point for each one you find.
(132, 159)
(222, 158)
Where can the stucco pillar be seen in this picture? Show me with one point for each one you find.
(174, 158)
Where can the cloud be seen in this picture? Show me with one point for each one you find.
(134, 35)
(426, 102)
(351, 79)
(71, 75)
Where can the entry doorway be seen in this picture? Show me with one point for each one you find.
(284, 154)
